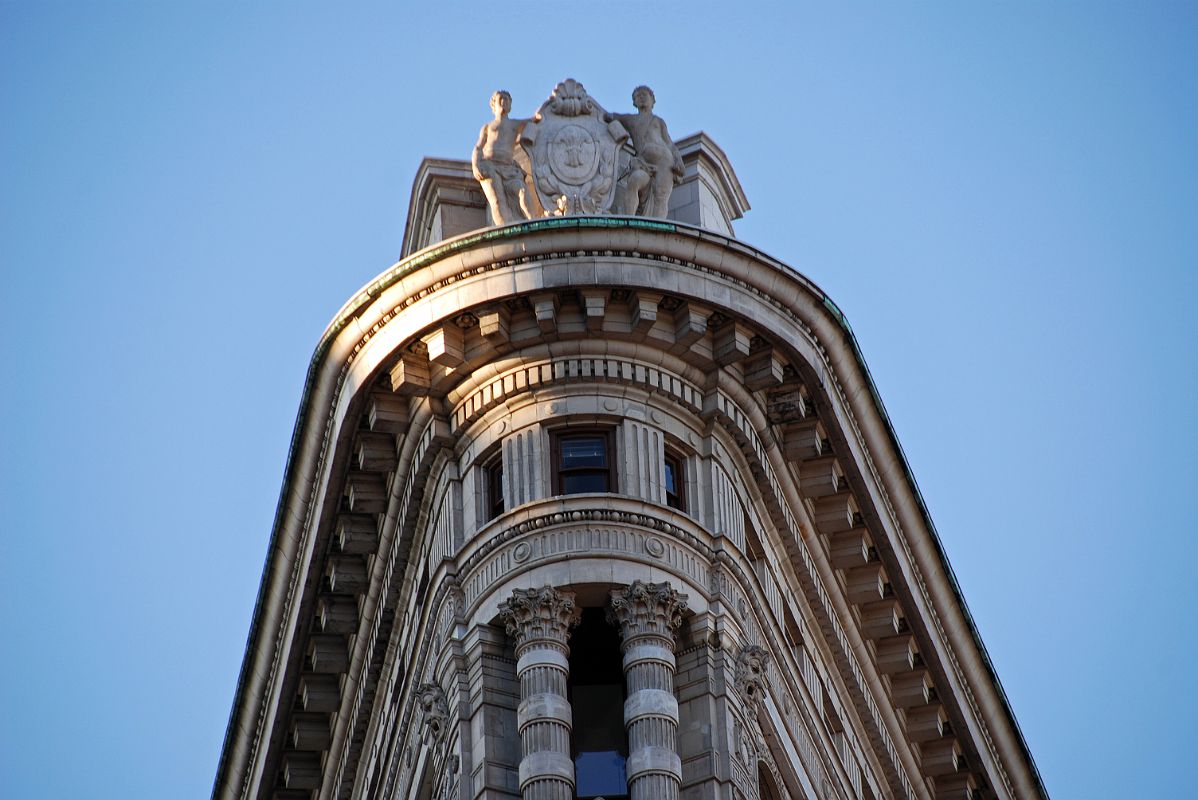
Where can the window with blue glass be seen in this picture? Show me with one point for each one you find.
(583, 463)
(673, 484)
(599, 741)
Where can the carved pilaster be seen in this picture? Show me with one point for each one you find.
(648, 614)
(492, 754)
(539, 620)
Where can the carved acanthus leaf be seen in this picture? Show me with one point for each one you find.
(646, 609)
(544, 613)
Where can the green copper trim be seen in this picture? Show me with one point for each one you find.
(835, 311)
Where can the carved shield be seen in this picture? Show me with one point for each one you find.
(573, 153)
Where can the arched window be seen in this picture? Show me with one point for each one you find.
(599, 741)
(767, 789)
(424, 788)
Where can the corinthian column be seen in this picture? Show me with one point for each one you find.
(648, 614)
(540, 620)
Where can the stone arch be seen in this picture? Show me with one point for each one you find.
(767, 787)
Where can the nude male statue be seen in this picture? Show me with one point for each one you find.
(495, 166)
(657, 155)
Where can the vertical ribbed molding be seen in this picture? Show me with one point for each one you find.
(539, 620)
(524, 477)
(644, 459)
(648, 614)
(728, 516)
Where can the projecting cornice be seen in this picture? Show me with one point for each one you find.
(419, 299)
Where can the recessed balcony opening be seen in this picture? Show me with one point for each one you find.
(599, 743)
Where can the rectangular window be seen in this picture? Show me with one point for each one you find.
(494, 474)
(582, 463)
(673, 487)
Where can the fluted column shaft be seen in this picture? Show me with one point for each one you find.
(648, 614)
(539, 620)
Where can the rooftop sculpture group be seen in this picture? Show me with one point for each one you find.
(574, 157)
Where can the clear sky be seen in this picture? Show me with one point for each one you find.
(1000, 195)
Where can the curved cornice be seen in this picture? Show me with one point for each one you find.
(440, 266)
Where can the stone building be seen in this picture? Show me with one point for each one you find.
(601, 505)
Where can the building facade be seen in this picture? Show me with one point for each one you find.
(600, 505)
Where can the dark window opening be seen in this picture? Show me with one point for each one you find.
(422, 586)
(599, 743)
(756, 552)
(425, 790)
(582, 463)
(674, 482)
(494, 472)
(769, 790)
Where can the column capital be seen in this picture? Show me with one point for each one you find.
(647, 609)
(545, 614)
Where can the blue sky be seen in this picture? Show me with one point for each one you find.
(1000, 196)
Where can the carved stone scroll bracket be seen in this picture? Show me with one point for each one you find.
(458, 598)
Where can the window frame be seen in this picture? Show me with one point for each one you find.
(678, 461)
(557, 437)
(494, 502)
